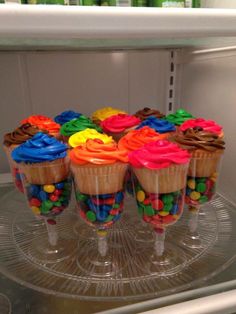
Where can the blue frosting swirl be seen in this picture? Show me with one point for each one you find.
(66, 116)
(160, 126)
(39, 148)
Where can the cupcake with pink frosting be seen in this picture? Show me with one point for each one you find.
(120, 124)
(204, 125)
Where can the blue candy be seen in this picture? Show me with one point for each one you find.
(104, 196)
(174, 209)
(105, 208)
(59, 185)
(119, 197)
(43, 196)
(92, 206)
(116, 217)
(188, 191)
(34, 190)
(102, 216)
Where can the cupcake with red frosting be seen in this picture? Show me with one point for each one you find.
(120, 124)
(205, 125)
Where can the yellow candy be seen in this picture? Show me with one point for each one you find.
(195, 196)
(193, 209)
(35, 210)
(214, 177)
(140, 196)
(175, 217)
(162, 213)
(49, 188)
(82, 136)
(102, 233)
(106, 112)
(191, 184)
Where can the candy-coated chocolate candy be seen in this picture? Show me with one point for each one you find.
(147, 218)
(119, 197)
(101, 216)
(157, 204)
(163, 213)
(18, 177)
(147, 201)
(169, 219)
(59, 185)
(81, 197)
(203, 199)
(174, 209)
(34, 190)
(114, 212)
(191, 184)
(195, 196)
(109, 218)
(90, 216)
(46, 206)
(43, 196)
(140, 196)
(214, 177)
(51, 221)
(58, 204)
(57, 192)
(153, 196)
(149, 211)
(203, 180)
(35, 202)
(35, 210)
(53, 198)
(83, 215)
(104, 196)
(167, 207)
(201, 187)
(92, 206)
(167, 198)
(188, 191)
(49, 188)
(66, 193)
(116, 206)
(61, 199)
(140, 210)
(105, 207)
(157, 217)
(109, 201)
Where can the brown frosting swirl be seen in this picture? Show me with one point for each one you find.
(147, 112)
(20, 135)
(196, 138)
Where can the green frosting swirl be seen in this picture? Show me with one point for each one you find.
(179, 117)
(77, 125)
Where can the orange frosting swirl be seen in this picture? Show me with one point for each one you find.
(137, 138)
(43, 123)
(97, 153)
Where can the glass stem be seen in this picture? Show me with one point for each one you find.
(102, 242)
(159, 244)
(193, 219)
(52, 232)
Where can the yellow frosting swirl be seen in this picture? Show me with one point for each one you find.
(82, 136)
(106, 112)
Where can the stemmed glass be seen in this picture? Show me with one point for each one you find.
(5, 305)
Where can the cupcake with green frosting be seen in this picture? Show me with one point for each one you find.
(179, 117)
(76, 125)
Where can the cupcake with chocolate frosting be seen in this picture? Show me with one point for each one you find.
(146, 112)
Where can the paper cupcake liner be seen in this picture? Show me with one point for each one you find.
(99, 179)
(165, 180)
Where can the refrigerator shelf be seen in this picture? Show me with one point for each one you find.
(65, 279)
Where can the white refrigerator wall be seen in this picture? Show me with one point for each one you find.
(50, 82)
(209, 91)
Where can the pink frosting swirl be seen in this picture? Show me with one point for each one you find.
(159, 154)
(119, 123)
(206, 125)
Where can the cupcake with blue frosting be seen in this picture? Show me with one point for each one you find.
(160, 126)
(66, 116)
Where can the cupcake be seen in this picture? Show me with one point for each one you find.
(81, 137)
(179, 117)
(146, 112)
(161, 126)
(77, 125)
(101, 114)
(44, 124)
(44, 167)
(13, 140)
(99, 171)
(207, 125)
(66, 116)
(120, 124)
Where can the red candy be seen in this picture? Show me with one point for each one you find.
(51, 222)
(57, 192)
(147, 218)
(114, 212)
(168, 219)
(97, 201)
(146, 201)
(157, 204)
(53, 198)
(35, 202)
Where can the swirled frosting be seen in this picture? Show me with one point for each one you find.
(146, 112)
(104, 113)
(158, 155)
(66, 116)
(39, 148)
(98, 153)
(77, 125)
(82, 136)
(179, 117)
(20, 135)
(160, 126)
(207, 125)
(43, 123)
(196, 138)
(119, 123)
(137, 138)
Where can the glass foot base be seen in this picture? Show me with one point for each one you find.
(41, 251)
(192, 240)
(5, 305)
(171, 262)
(95, 265)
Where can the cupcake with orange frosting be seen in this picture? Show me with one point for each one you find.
(101, 114)
(120, 124)
(146, 112)
(81, 137)
(205, 125)
(44, 123)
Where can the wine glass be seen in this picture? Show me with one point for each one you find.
(5, 305)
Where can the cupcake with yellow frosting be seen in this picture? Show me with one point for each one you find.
(101, 114)
(81, 137)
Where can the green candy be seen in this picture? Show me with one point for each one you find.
(116, 206)
(149, 211)
(81, 197)
(203, 199)
(201, 187)
(65, 193)
(167, 198)
(109, 218)
(201, 180)
(57, 204)
(91, 216)
(61, 199)
(46, 206)
(167, 207)
(140, 210)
